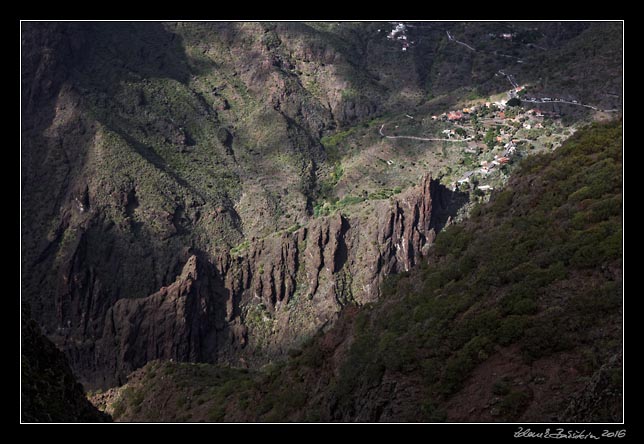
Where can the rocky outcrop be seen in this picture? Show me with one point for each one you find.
(249, 308)
(181, 321)
(601, 397)
(302, 279)
(111, 213)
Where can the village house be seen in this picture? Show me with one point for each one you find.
(399, 29)
(506, 36)
(485, 187)
(485, 168)
(455, 115)
(503, 159)
(510, 148)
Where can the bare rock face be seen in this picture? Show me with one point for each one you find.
(103, 250)
(406, 229)
(250, 308)
(180, 322)
(288, 286)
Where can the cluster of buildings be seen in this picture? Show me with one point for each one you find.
(461, 114)
(399, 33)
(527, 119)
(487, 166)
(453, 115)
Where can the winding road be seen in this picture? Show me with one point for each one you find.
(449, 36)
(421, 138)
(570, 103)
(511, 93)
(509, 77)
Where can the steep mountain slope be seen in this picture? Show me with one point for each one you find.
(174, 177)
(516, 315)
(49, 391)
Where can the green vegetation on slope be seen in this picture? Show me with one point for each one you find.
(536, 271)
(191, 392)
(538, 267)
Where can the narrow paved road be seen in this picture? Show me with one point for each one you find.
(421, 138)
(449, 36)
(510, 79)
(511, 93)
(570, 103)
(509, 56)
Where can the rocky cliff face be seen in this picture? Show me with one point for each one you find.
(250, 308)
(178, 322)
(284, 288)
(150, 150)
(49, 390)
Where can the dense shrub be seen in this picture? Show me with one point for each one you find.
(496, 279)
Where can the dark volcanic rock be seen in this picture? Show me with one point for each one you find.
(225, 137)
(179, 322)
(298, 281)
(50, 392)
(109, 210)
